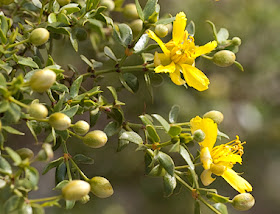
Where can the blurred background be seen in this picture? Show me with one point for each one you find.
(249, 100)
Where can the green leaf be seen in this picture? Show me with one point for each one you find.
(148, 84)
(149, 9)
(123, 34)
(11, 130)
(165, 21)
(60, 173)
(152, 133)
(52, 164)
(117, 115)
(122, 144)
(4, 106)
(13, 203)
(169, 184)
(238, 65)
(32, 175)
(82, 159)
(70, 8)
(146, 119)
(191, 28)
(222, 208)
(3, 37)
(61, 17)
(173, 114)
(139, 10)
(213, 29)
(113, 91)
(217, 198)
(37, 209)
(74, 41)
(109, 53)
(94, 115)
(14, 156)
(75, 87)
(61, 184)
(175, 147)
(71, 111)
(69, 204)
(162, 121)
(221, 134)
(52, 18)
(28, 61)
(166, 162)
(5, 166)
(174, 131)
(141, 44)
(185, 154)
(12, 115)
(112, 128)
(130, 82)
(131, 137)
(222, 35)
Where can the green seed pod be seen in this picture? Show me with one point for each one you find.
(38, 110)
(81, 127)
(243, 201)
(42, 80)
(101, 187)
(136, 26)
(224, 58)
(39, 36)
(199, 135)
(75, 190)
(216, 116)
(130, 11)
(95, 139)
(25, 153)
(109, 4)
(59, 121)
(236, 41)
(6, 2)
(63, 2)
(161, 30)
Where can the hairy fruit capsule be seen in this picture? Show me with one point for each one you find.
(161, 30)
(236, 41)
(216, 116)
(42, 80)
(224, 58)
(39, 36)
(101, 187)
(95, 139)
(136, 26)
(75, 190)
(109, 4)
(199, 135)
(38, 110)
(243, 201)
(59, 121)
(81, 127)
(130, 11)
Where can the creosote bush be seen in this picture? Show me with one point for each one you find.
(45, 96)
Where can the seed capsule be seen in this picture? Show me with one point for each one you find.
(101, 187)
(224, 58)
(95, 139)
(38, 110)
(42, 80)
(243, 201)
(216, 116)
(109, 4)
(161, 30)
(75, 190)
(39, 36)
(59, 121)
(81, 127)
(130, 11)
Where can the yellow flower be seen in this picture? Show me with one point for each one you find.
(179, 56)
(220, 159)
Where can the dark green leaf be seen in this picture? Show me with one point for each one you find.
(82, 159)
(166, 162)
(28, 61)
(60, 173)
(149, 163)
(71, 111)
(75, 87)
(117, 115)
(175, 147)
(61, 17)
(112, 128)
(4, 106)
(94, 115)
(52, 164)
(5, 166)
(169, 184)
(162, 121)
(14, 156)
(11, 130)
(74, 42)
(32, 175)
(173, 114)
(12, 115)
(13, 203)
(139, 10)
(222, 208)
(152, 133)
(131, 137)
(185, 154)
(146, 119)
(130, 82)
(3, 37)
(109, 53)
(122, 144)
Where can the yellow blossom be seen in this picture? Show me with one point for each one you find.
(219, 160)
(179, 56)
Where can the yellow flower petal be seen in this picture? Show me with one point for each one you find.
(210, 129)
(207, 48)
(205, 157)
(179, 26)
(206, 178)
(195, 78)
(161, 59)
(166, 69)
(153, 36)
(176, 77)
(236, 181)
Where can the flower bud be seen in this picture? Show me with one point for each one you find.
(198, 135)
(63, 2)
(109, 4)
(42, 80)
(75, 190)
(38, 110)
(136, 26)
(243, 201)
(224, 58)
(130, 11)
(25, 153)
(236, 41)
(101, 187)
(81, 127)
(161, 30)
(95, 139)
(39, 36)
(216, 116)
(46, 153)
(85, 199)
(59, 121)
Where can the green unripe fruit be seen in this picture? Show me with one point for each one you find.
(59, 121)
(130, 11)
(198, 135)
(75, 190)
(63, 2)
(216, 116)
(224, 58)
(136, 26)
(95, 139)
(25, 153)
(161, 30)
(81, 127)
(39, 36)
(236, 41)
(243, 201)
(38, 110)
(109, 4)
(42, 80)
(6, 2)
(101, 187)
